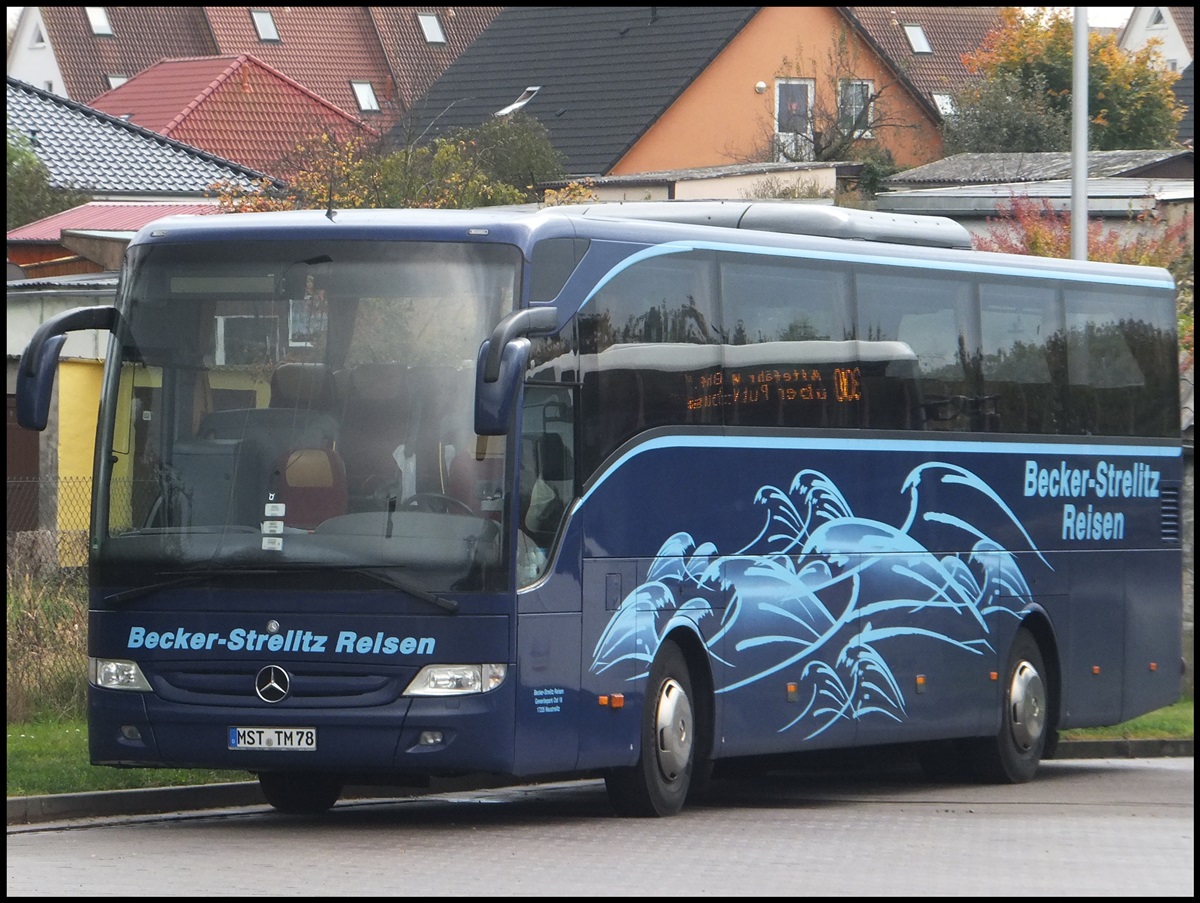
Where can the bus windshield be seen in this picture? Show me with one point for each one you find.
(284, 404)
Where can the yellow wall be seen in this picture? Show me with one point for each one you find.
(78, 400)
(720, 119)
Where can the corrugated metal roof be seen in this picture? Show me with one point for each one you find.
(108, 216)
(89, 150)
(1115, 197)
(983, 168)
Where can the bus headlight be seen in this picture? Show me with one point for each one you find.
(456, 680)
(117, 674)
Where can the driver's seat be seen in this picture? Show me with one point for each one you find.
(311, 484)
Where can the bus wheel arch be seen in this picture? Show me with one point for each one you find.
(1027, 692)
(669, 739)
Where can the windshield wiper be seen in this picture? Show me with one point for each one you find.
(137, 591)
(411, 588)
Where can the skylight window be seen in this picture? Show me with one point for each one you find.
(916, 39)
(432, 28)
(264, 24)
(98, 19)
(365, 95)
(525, 97)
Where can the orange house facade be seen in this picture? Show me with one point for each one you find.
(730, 112)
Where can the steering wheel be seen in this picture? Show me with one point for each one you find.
(436, 503)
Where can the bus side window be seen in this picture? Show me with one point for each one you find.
(935, 318)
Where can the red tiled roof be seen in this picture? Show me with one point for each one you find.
(950, 30)
(324, 48)
(142, 35)
(234, 106)
(415, 62)
(102, 216)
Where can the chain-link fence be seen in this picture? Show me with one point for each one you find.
(46, 525)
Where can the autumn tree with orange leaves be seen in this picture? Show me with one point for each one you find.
(1130, 101)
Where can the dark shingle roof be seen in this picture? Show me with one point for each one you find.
(605, 73)
(1185, 94)
(85, 149)
(416, 63)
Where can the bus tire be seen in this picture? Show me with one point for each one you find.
(299, 793)
(658, 784)
(1013, 755)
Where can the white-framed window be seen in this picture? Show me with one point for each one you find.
(115, 81)
(98, 19)
(916, 39)
(526, 96)
(264, 24)
(37, 39)
(432, 28)
(364, 94)
(854, 106)
(945, 104)
(793, 118)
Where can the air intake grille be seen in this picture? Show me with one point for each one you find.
(1170, 515)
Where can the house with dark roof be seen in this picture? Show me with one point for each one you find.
(626, 90)
(237, 107)
(992, 168)
(111, 159)
(371, 62)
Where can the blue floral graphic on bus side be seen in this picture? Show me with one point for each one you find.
(830, 590)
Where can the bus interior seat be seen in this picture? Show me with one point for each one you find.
(374, 423)
(311, 485)
(303, 386)
(547, 484)
(476, 474)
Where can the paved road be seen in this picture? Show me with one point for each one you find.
(1100, 827)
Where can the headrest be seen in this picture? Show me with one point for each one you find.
(298, 385)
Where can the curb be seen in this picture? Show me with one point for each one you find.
(30, 810)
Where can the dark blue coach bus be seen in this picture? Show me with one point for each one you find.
(382, 496)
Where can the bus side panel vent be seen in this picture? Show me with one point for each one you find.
(1170, 515)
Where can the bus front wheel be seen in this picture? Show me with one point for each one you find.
(1013, 755)
(658, 784)
(299, 793)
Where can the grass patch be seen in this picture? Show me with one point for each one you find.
(1175, 722)
(51, 756)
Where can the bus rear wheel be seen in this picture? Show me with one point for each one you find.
(299, 793)
(658, 784)
(1013, 755)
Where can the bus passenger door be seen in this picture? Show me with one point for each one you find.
(610, 694)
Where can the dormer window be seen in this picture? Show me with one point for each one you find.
(98, 19)
(525, 97)
(916, 39)
(264, 24)
(432, 28)
(365, 95)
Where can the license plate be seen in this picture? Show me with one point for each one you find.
(286, 738)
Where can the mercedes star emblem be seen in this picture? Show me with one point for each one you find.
(272, 684)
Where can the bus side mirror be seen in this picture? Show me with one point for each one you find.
(501, 364)
(35, 373)
(495, 400)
